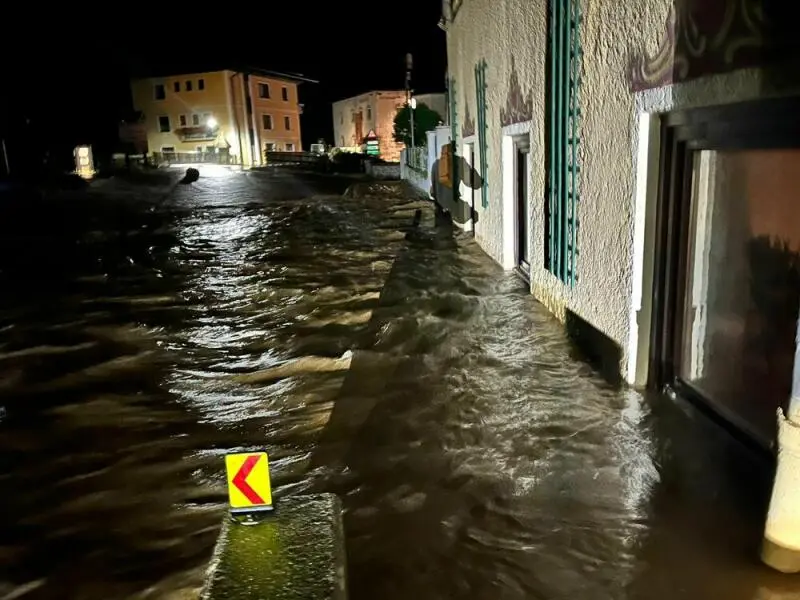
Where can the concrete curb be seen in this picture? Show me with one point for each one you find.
(298, 552)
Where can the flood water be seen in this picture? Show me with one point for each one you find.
(146, 329)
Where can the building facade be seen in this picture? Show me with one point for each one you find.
(354, 118)
(233, 116)
(596, 163)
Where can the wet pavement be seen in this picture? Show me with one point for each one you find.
(147, 328)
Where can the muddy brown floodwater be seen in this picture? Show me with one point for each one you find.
(146, 329)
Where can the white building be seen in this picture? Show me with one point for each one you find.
(601, 172)
(354, 118)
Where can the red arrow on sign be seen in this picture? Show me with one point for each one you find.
(240, 480)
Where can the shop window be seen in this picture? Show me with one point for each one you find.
(727, 294)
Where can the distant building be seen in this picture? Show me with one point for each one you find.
(354, 118)
(437, 102)
(226, 116)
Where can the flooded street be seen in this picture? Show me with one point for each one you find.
(148, 328)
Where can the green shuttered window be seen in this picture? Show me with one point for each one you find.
(480, 94)
(564, 73)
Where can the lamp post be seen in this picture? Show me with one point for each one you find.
(412, 105)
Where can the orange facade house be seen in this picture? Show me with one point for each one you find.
(228, 116)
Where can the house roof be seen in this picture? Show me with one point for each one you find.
(292, 77)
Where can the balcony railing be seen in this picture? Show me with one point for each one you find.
(197, 134)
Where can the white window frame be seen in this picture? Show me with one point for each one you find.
(195, 120)
(287, 122)
(267, 87)
(264, 123)
(183, 121)
(289, 147)
(169, 124)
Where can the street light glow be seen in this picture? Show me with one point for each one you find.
(211, 123)
(414, 103)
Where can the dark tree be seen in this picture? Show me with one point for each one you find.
(425, 119)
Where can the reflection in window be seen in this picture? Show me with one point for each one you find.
(743, 283)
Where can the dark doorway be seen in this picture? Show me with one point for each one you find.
(727, 286)
(522, 209)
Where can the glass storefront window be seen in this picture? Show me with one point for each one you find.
(743, 283)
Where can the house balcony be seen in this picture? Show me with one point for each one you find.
(197, 134)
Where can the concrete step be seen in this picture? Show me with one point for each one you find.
(296, 552)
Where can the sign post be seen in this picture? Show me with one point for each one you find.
(373, 144)
(249, 488)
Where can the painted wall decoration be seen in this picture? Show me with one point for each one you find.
(702, 37)
(468, 129)
(519, 107)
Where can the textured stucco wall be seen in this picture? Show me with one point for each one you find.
(616, 173)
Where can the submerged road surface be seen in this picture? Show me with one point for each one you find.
(146, 329)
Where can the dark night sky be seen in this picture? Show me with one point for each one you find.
(71, 74)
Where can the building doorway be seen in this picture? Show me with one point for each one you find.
(727, 279)
(522, 206)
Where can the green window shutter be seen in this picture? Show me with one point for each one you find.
(453, 107)
(563, 124)
(480, 93)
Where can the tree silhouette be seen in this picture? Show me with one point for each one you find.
(425, 119)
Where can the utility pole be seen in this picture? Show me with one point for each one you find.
(5, 159)
(409, 100)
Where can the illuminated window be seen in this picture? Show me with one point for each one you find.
(176, 86)
(267, 120)
(290, 147)
(285, 93)
(161, 93)
(269, 147)
(163, 124)
(195, 120)
(201, 84)
(188, 86)
(168, 149)
(182, 120)
(263, 90)
(287, 123)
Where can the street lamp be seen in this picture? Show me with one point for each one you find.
(413, 106)
(211, 123)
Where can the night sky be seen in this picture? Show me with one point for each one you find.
(69, 74)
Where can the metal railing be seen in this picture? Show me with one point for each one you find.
(417, 159)
(215, 158)
(292, 158)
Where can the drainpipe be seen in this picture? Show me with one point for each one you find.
(781, 546)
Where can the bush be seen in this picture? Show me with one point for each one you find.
(348, 162)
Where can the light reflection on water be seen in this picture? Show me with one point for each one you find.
(476, 458)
